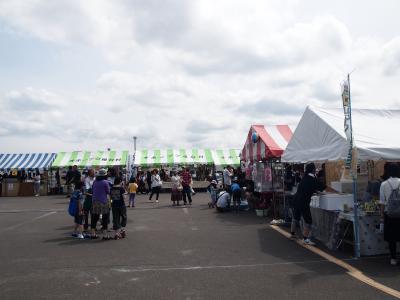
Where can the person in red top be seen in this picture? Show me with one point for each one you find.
(186, 181)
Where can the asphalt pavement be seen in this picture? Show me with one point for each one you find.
(169, 253)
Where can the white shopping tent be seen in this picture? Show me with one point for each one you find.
(320, 135)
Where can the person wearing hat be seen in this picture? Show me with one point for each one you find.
(213, 189)
(100, 203)
(308, 186)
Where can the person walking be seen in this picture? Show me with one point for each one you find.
(100, 204)
(148, 180)
(307, 187)
(186, 190)
(155, 185)
(36, 184)
(132, 189)
(87, 204)
(389, 201)
(176, 191)
(142, 183)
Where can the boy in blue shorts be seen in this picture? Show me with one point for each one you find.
(78, 218)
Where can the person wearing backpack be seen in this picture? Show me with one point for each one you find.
(389, 199)
(76, 209)
(118, 209)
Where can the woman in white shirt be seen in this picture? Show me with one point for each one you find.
(176, 191)
(155, 185)
(390, 212)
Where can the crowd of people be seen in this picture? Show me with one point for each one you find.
(100, 197)
(96, 199)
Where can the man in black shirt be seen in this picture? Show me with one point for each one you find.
(76, 175)
(68, 179)
(308, 186)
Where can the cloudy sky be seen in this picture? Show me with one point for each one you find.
(87, 75)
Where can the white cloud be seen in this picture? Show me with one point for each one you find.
(32, 99)
(391, 57)
(180, 73)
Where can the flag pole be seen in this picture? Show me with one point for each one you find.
(356, 227)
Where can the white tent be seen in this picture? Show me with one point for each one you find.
(320, 135)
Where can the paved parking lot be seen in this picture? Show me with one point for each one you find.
(169, 253)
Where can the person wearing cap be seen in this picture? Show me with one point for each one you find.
(100, 203)
(308, 186)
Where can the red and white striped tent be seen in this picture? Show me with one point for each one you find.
(271, 142)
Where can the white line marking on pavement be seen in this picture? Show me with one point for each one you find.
(44, 216)
(352, 271)
(185, 210)
(95, 281)
(27, 222)
(134, 279)
(194, 268)
(186, 252)
(14, 211)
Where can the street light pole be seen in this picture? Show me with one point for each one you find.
(134, 171)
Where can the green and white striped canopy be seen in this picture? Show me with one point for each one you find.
(170, 157)
(85, 159)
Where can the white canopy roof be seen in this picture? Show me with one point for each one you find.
(320, 135)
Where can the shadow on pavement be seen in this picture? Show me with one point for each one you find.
(241, 218)
(288, 251)
(64, 228)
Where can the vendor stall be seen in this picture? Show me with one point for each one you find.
(119, 160)
(175, 157)
(201, 162)
(261, 161)
(18, 170)
(320, 137)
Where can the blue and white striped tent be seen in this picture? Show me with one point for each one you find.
(26, 161)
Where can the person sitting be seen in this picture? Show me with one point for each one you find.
(222, 202)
